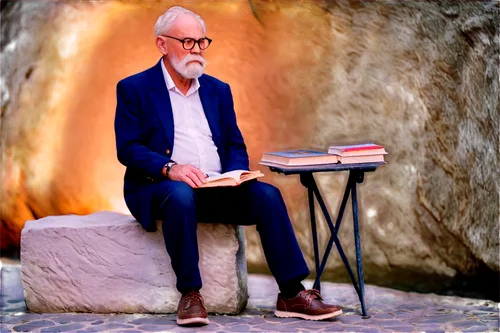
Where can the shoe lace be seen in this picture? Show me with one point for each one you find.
(313, 294)
(193, 297)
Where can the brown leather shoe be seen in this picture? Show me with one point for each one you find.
(191, 310)
(306, 305)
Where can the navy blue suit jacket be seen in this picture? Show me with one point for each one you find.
(144, 129)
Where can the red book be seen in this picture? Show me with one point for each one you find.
(361, 149)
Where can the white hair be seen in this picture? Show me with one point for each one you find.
(165, 21)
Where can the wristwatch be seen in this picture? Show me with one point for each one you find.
(169, 166)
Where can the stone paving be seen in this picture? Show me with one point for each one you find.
(390, 310)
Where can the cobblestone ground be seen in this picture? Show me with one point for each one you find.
(390, 310)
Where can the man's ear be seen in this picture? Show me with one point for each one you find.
(161, 44)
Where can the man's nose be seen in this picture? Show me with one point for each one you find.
(196, 49)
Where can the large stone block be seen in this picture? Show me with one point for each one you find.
(105, 262)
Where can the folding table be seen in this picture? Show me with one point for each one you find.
(356, 176)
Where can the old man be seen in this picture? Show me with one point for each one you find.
(174, 126)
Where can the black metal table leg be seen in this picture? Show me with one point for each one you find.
(333, 232)
(359, 263)
(312, 213)
(355, 176)
(307, 179)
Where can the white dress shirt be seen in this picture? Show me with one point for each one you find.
(193, 143)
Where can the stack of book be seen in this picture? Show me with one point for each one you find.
(349, 154)
(360, 153)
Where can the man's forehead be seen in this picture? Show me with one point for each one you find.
(187, 23)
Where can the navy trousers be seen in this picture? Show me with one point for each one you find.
(180, 208)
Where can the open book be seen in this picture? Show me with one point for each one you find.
(231, 178)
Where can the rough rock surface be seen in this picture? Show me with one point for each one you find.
(105, 262)
(420, 77)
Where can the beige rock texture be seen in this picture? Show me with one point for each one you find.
(106, 263)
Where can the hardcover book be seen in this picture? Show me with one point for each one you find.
(361, 159)
(357, 150)
(358, 153)
(299, 157)
(231, 178)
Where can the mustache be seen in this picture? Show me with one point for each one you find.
(193, 57)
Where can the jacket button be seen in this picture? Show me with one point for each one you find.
(167, 151)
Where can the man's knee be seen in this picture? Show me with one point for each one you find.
(177, 195)
(265, 192)
(268, 207)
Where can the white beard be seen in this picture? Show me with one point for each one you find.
(188, 71)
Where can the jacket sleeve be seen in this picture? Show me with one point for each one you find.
(236, 150)
(130, 146)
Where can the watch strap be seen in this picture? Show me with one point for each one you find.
(169, 166)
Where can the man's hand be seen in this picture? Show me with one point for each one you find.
(188, 174)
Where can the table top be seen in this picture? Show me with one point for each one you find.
(289, 170)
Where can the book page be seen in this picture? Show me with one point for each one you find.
(235, 174)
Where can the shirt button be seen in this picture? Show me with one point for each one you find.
(167, 151)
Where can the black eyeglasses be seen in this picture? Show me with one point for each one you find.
(189, 43)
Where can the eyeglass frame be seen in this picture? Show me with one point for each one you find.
(196, 41)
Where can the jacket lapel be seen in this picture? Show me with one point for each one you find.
(161, 102)
(210, 104)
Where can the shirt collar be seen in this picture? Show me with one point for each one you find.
(171, 85)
